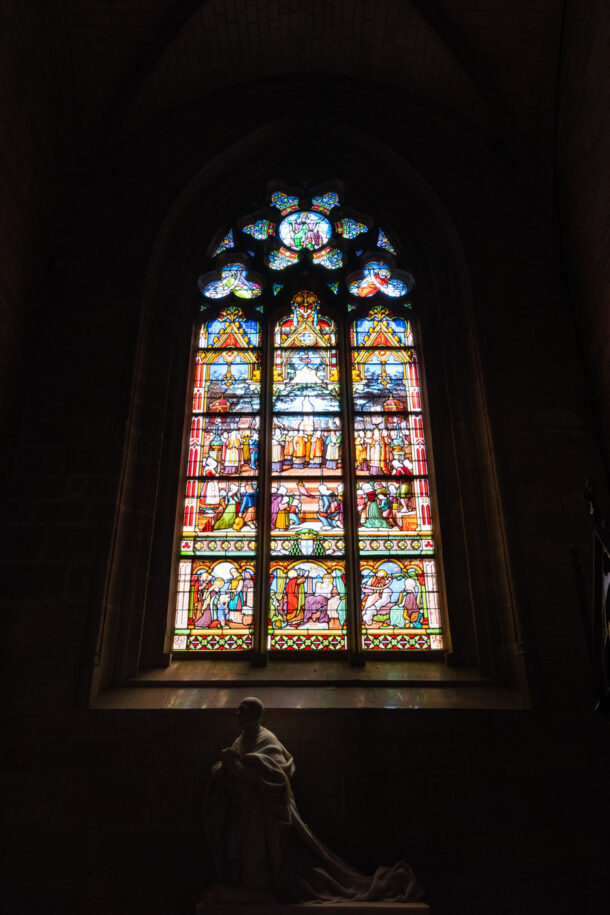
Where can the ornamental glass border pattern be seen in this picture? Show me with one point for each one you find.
(215, 600)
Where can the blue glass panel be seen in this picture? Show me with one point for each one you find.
(225, 244)
(385, 380)
(230, 329)
(261, 229)
(227, 381)
(305, 380)
(349, 228)
(379, 328)
(384, 242)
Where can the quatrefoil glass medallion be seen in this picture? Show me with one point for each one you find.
(305, 229)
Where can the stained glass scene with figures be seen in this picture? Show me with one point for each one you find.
(306, 511)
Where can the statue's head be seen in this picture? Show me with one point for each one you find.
(250, 712)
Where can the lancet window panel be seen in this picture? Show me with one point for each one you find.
(399, 592)
(307, 599)
(219, 535)
(306, 518)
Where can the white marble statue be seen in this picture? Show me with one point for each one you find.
(261, 849)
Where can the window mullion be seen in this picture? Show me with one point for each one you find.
(260, 654)
(352, 569)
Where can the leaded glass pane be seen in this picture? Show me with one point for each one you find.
(307, 605)
(388, 510)
(220, 516)
(383, 445)
(305, 326)
(231, 330)
(384, 242)
(383, 379)
(329, 257)
(261, 229)
(306, 381)
(349, 228)
(233, 279)
(215, 604)
(326, 202)
(282, 258)
(400, 608)
(227, 381)
(226, 243)
(307, 517)
(377, 277)
(305, 442)
(223, 445)
(380, 328)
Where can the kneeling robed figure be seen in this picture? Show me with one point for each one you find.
(261, 849)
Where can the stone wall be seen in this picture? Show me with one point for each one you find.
(496, 811)
(33, 120)
(583, 189)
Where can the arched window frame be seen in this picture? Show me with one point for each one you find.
(339, 304)
(126, 637)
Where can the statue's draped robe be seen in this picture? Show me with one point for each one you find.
(258, 840)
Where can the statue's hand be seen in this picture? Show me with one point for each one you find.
(228, 757)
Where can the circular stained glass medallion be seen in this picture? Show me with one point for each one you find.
(305, 229)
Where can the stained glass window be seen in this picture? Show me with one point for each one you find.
(307, 605)
(305, 511)
(216, 571)
(399, 587)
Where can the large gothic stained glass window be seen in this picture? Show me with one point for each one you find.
(305, 516)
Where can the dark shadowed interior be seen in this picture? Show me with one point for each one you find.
(133, 132)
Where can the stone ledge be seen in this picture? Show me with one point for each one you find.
(287, 696)
(345, 908)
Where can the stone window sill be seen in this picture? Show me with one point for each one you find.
(311, 683)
